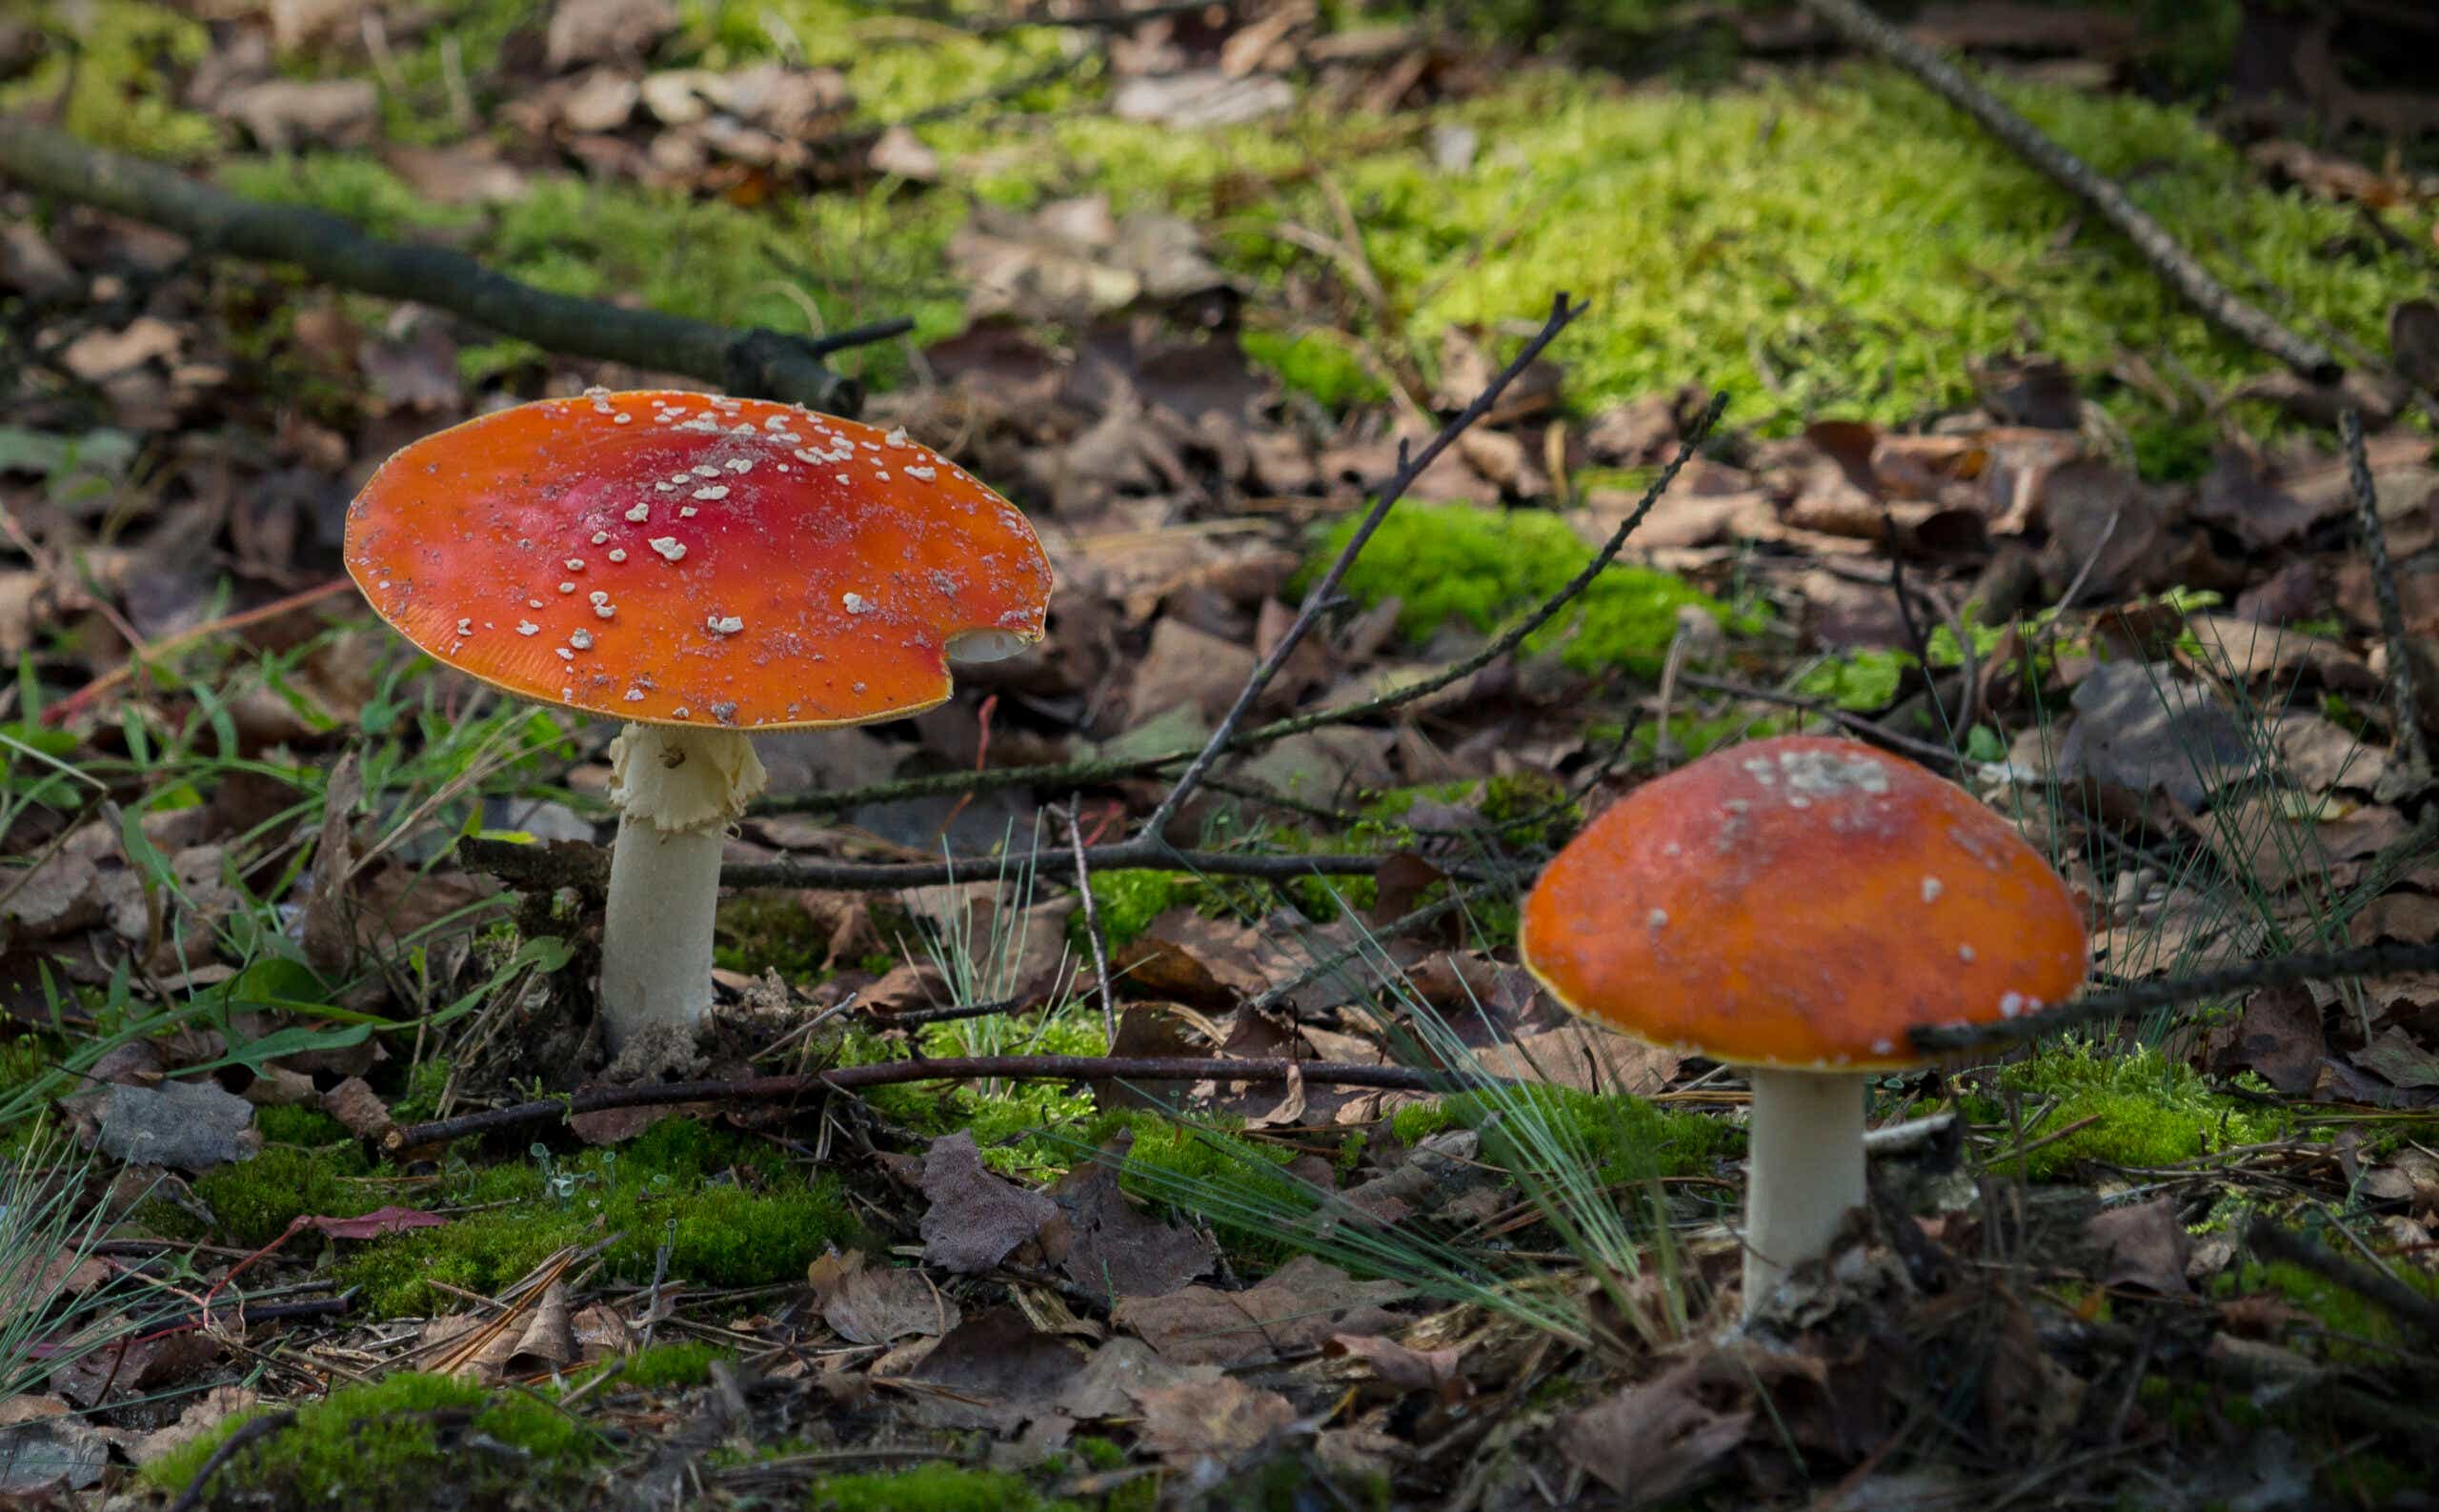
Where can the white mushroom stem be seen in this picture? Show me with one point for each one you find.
(1804, 1170)
(678, 789)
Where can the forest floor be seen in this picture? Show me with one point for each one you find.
(277, 891)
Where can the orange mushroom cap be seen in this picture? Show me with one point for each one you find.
(1802, 904)
(676, 559)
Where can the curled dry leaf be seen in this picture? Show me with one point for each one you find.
(975, 1218)
(1394, 1364)
(877, 1306)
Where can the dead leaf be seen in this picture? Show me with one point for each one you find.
(1217, 1420)
(606, 30)
(1295, 1308)
(381, 1220)
(1001, 1371)
(1112, 1248)
(1395, 1365)
(2279, 1037)
(2145, 1246)
(2143, 728)
(42, 1456)
(975, 1219)
(877, 1306)
(1208, 98)
(1118, 1370)
(285, 114)
(97, 356)
(1650, 1442)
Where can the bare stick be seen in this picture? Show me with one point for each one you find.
(2187, 276)
(2280, 970)
(2401, 693)
(1092, 922)
(760, 363)
(1324, 591)
(897, 1073)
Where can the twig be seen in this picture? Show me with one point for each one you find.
(896, 1073)
(1324, 591)
(2272, 1243)
(2365, 960)
(761, 363)
(2401, 693)
(1092, 922)
(1404, 924)
(258, 1429)
(1854, 724)
(146, 654)
(1073, 773)
(2174, 263)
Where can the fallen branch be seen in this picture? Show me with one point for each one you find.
(1324, 592)
(2404, 697)
(533, 868)
(897, 1073)
(1092, 773)
(2187, 276)
(764, 364)
(2281, 971)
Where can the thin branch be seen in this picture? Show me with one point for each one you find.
(1405, 923)
(2402, 691)
(236, 1444)
(2177, 265)
(897, 1073)
(762, 363)
(1092, 922)
(1071, 773)
(1325, 590)
(2281, 971)
(2272, 1243)
(533, 867)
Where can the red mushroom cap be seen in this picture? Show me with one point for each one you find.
(676, 559)
(1802, 903)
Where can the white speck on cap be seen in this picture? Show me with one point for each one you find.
(1656, 918)
(856, 603)
(617, 554)
(640, 513)
(599, 596)
(527, 627)
(600, 536)
(926, 473)
(724, 626)
(2011, 1004)
(1964, 953)
(667, 546)
(581, 640)
(1930, 889)
(711, 491)
(566, 588)
(896, 437)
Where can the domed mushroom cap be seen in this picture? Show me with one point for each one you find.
(676, 559)
(1801, 903)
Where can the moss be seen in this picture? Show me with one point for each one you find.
(745, 1218)
(2147, 1110)
(1099, 1452)
(253, 1201)
(1018, 1125)
(2336, 1308)
(408, 1439)
(426, 1080)
(1319, 363)
(310, 1127)
(664, 1366)
(939, 1487)
(758, 932)
(1625, 1138)
(24, 1060)
(1481, 567)
(118, 79)
(1128, 900)
(1204, 1171)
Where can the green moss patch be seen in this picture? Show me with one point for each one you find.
(931, 1488)
(1481, 567)
(744, 1217)
(1623, 1139)
(759, 932)
(2148, 1111)
(408, 1440)
(1023, 1128)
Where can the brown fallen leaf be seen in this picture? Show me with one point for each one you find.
(1205, 1425)
(1655, 1439)
(877, 1306)
(1394, 1364)
(2145, 1246)
(1112, 1248)
(975, 1219)
(1295, 1308)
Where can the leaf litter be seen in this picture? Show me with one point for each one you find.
(227, 958)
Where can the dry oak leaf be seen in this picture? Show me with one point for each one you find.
(1655, 1439)
(1218, 1418)
(877, 1306)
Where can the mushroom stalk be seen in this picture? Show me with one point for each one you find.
(678, 789)
(1804, 1170)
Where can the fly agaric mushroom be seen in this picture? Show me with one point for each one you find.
(1794, 907)
(699, 568)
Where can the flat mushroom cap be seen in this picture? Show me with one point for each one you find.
(1801, 903)
(678, 558)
